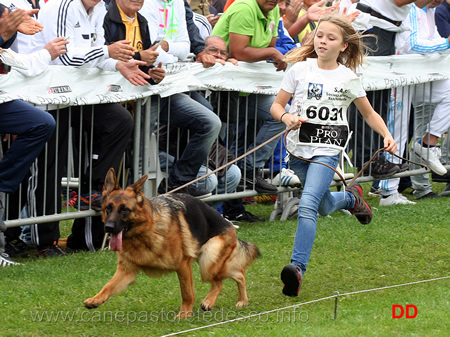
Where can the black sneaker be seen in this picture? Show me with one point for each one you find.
(429, 195)
(361, 209)
(292, 277)
(245, 216)
(17, 248)
(440, 179)
(192, 190)
(49, 251)
(381, 168)
(256, 182)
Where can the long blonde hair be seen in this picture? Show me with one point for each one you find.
(351, 57)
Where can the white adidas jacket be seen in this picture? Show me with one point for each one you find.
(68, 18)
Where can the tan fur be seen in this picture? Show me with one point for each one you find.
(161, 241)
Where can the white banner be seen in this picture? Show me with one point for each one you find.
(79, 86)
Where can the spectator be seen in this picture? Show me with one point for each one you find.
(112, 124)
(250, 29)
(233, 209)
(32, 126)
(421, 38)
(382, 20)
(323, 67)
(443, 26)
(185, 112)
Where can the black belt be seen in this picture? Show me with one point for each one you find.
(366, 9)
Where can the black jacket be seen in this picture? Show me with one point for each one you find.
(115, 31)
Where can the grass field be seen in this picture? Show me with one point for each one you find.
(403, 244)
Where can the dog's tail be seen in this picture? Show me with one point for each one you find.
(248, 251)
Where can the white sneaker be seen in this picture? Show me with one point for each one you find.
(287, 177)
(345, 175)
(430, 156)
(6, 261)
(395, 199)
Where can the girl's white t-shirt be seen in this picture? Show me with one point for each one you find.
(334, 90)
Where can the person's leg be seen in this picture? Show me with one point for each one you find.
(259, 107)
(316, 198)
(33, 128)
(45, 191)
(113, 126)
(432, 104)
(204, 127)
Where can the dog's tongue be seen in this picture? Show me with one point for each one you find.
(116, 241)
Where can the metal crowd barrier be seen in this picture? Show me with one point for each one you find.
(143, 158)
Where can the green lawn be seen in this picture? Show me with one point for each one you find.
(402, 244)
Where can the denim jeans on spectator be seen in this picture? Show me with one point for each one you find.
(316, 198)
(251, 107)
(225, 184)
(183, 111)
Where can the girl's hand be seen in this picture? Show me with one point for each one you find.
(291, 120)
(390, 145)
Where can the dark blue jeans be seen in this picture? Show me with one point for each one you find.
(33, 128)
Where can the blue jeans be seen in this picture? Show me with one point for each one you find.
(183, 111)
(33, 128)
(253, 109)
(316, 198)
(225, 184)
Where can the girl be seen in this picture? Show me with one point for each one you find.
(322, 84)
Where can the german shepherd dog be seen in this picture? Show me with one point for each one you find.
(165, 234)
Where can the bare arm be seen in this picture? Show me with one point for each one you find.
(279, 114)
(376, 123)
(240, 50)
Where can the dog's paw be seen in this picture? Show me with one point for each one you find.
(241, 304)
(206, 306)
(91, 303)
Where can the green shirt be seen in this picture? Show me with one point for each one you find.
(245, 17)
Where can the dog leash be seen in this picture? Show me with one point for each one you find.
(344, 182)
(285, 133)
(234, 160)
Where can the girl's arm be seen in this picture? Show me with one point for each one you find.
(278, 113)
(376, 123)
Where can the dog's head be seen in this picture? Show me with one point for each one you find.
(120, 207)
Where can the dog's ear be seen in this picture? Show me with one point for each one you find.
(111, 183)
(137, 187)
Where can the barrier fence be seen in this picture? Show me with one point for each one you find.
(69, 87)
